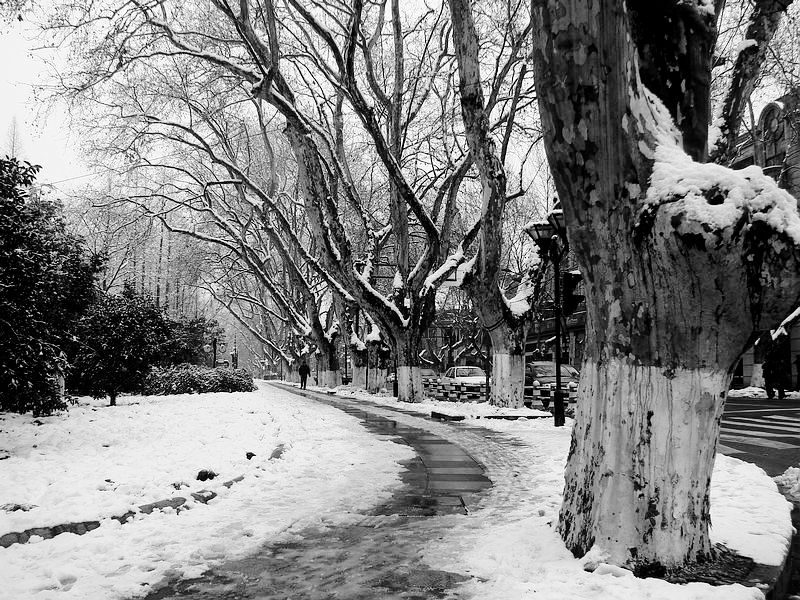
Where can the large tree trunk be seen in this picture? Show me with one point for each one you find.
(409, 376)
(378, 371)
(656, 371)
(508, 367)
(682, 263)
(360, 358)
(644, 444)
(329, 375)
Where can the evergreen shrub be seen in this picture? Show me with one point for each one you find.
(195, 379)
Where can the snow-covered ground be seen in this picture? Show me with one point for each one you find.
(760, 393)
(96, 462)
(470, 410)
(513, 551)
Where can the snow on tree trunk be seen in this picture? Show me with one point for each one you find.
(643, 452)
(508, 374)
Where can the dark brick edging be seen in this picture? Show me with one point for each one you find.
(82, 527)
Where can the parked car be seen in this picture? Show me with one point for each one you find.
(429, 375)
(544, 372)
(464, 375)
(426, 375)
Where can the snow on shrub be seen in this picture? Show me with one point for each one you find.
(191, 379)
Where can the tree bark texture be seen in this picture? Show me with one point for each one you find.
(506, 330)
(672, 299)
(359, 376)
(329, 375)
(409, 376)
(508, 371)
(508, 364)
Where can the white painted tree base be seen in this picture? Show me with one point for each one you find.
(359, 377)
(642, 453)
(409, 384)
(329, 379)
(377, 380)
(508, 380)
(757, 378)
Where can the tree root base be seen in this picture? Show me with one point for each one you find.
(724, 567)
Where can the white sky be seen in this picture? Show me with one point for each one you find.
(43, 128)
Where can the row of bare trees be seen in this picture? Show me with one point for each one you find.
(347, 157)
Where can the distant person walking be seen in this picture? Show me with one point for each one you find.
(304, 372)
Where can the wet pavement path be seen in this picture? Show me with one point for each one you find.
(374, 555)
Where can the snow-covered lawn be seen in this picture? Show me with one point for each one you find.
(96, 462)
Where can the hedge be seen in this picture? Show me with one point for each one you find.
(191, 379)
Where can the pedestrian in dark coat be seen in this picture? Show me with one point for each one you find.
(304, 372)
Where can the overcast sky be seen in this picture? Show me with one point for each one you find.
(45, 138)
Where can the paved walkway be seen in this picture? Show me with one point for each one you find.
(378, 554)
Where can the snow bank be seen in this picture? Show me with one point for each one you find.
(714, 197)
(331, 463)
(789, 481)
(759, 393)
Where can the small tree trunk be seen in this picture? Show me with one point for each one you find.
(377, 379)
(112, 396)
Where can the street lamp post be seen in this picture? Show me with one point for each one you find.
(551, 237)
